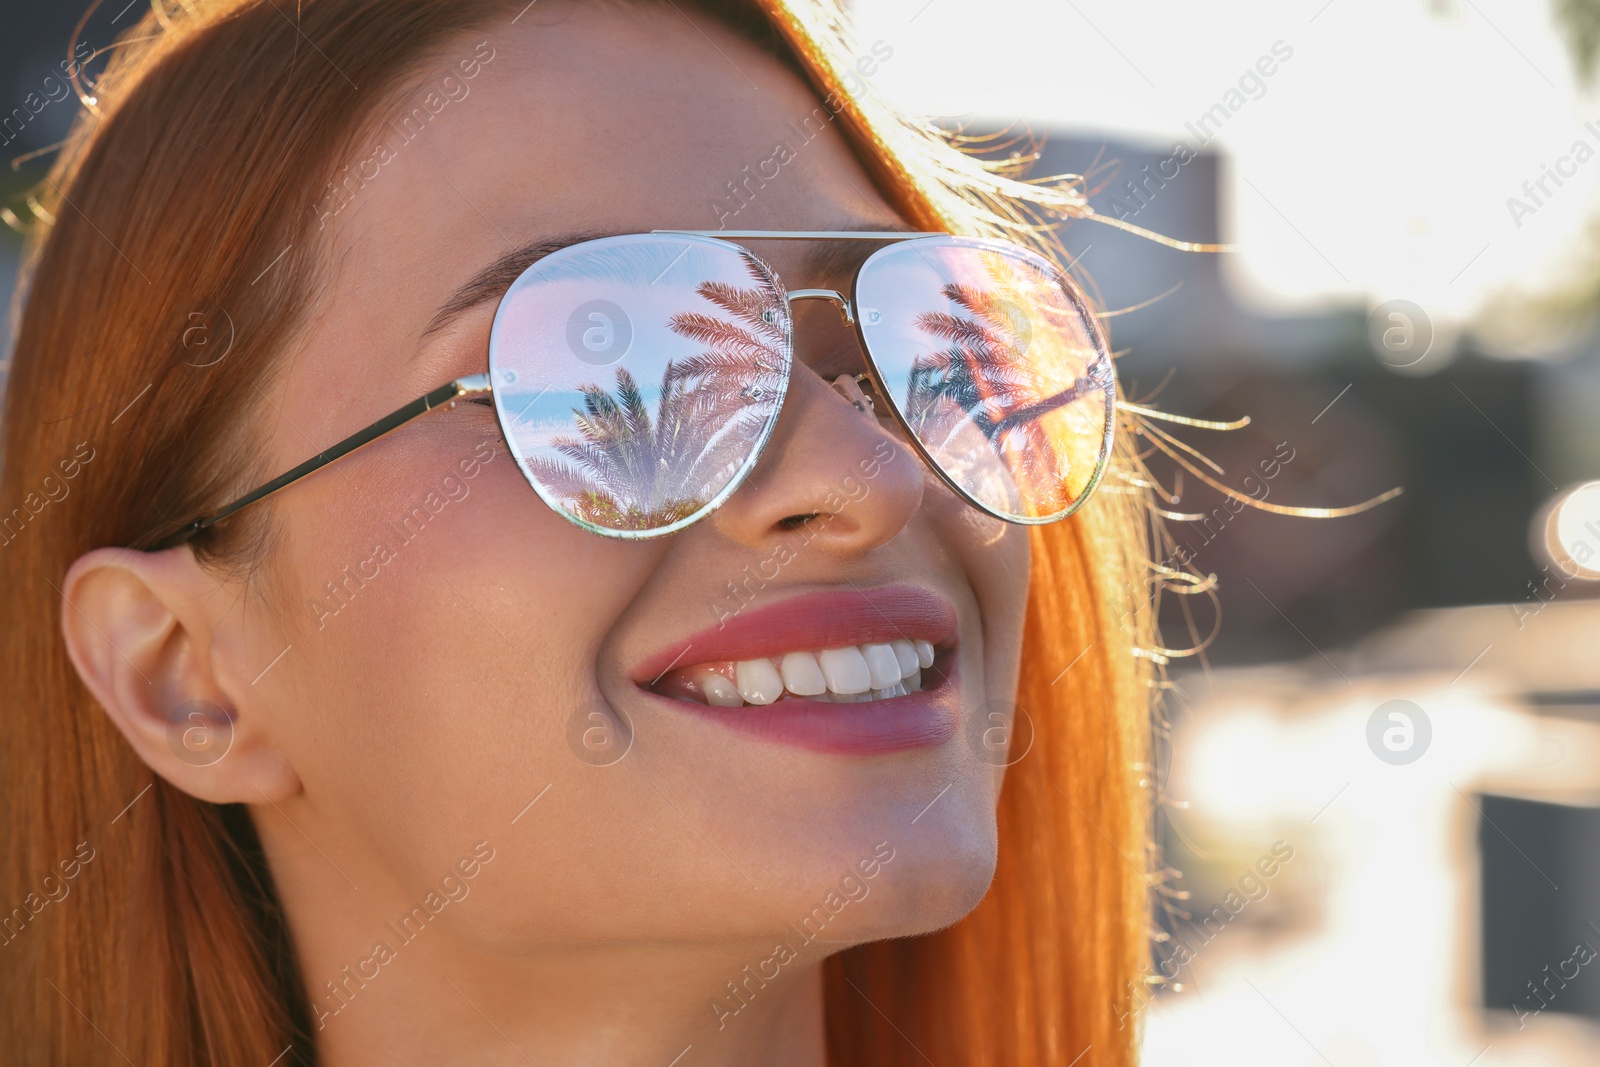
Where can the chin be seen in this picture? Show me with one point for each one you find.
(935, 879)
(946, 889)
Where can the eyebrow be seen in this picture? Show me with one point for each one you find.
(823, 261)
(493, 280)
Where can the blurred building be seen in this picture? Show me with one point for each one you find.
(1440, 900)
(1438, 785)
(1479, 442)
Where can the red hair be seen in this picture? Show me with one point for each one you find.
(195, 172)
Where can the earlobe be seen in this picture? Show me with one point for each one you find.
(139, 630)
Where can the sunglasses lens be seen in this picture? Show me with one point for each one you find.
(996, 363)
(636, 378)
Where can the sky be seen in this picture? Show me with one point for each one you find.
(1375, 163)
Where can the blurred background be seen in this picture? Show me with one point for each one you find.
(1381, 778)
(1382, 781)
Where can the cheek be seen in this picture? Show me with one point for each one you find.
(439, 652)
(1003, 567)
(996, 558)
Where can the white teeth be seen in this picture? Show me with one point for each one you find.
(802, 676)
(846, 670)
(882, 664)
(849, 675)
(758, 681)
(720, 693)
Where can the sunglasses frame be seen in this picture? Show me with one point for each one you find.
(1102, 365)
(474, 385)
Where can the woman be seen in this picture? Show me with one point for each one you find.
(415, 760)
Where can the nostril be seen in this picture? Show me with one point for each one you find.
(794, 522)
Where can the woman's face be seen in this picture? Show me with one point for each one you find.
(447, 662)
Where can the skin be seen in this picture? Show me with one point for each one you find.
(425, 715)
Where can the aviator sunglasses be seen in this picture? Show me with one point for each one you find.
(637, 378)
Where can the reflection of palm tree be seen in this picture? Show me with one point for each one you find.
(740, 360)
(628, 471)
(988, 379)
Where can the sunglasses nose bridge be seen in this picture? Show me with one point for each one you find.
(831, 295)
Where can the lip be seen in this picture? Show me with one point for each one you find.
(823, 620)
(831, 619)
(916, 720)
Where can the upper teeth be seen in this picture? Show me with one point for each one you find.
(859, 672)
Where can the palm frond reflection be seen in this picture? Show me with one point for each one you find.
(634, 466)
(1013, 407)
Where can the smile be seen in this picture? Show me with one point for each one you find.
(857, 672)
(850, 675)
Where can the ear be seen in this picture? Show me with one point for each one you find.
(141, 629)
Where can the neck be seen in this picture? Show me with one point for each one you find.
(433, 1002)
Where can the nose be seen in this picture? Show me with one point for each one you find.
(832, 476)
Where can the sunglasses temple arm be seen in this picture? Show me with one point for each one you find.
(444, 395)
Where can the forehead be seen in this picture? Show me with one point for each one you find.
(585, 118)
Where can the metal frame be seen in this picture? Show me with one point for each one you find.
(445, 396)
(449, 394)
(1102, 347)
(757, 446)
(847, 306)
